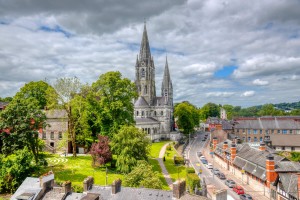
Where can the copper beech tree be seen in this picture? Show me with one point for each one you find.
(100, 151)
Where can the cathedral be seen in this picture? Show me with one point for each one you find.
(153, 114)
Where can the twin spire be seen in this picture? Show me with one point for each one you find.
(145, 47)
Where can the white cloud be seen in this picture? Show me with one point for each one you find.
(248, 94)
(260, 82)
(220, 94)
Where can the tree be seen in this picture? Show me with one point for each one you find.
(268, 109)
(130, 144)
(100, 151)
(229, 111)
(65, 89)
(142, 175)
(21, 120)
(37, 90)
(6, 99)
(295, 112)
(114, 95)
(209, 110)
(187, 117)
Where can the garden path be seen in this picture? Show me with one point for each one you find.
(163, 167)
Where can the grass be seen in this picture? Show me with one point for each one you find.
(156, 147)
(176, 172)
(76, 169)
(156, 167)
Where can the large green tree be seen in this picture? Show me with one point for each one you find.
(21, 121)
(37, 90)
(209, 110)
(115, 95)
(187, 116)
(130, 144)
(143, 175)
(269, 109)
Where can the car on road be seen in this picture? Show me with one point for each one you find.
(204, 139)
(245, 197)
(215, 171)
(204, 161)
(199, 154)
(209, 166)
(202, 158)
(238, 189)
(221, 176)
(230, 183)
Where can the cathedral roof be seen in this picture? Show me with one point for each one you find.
(147, 120)
(141, 102)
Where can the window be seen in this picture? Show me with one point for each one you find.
(162, 113)
(244, 139)
(254, 131)
(267, 132)
(255, 139)
(282, 148)
(237, 130)
(278, 131)
(142, 113)
(145, 89)
(272, 131)
(52, 135)
(137, 113)
(284, 131)
(166, 92)
(60, 135)
(44, 136)
(249, 131)
(293, 148)
(291, 131)
(260, 131)
(249, 139)
(142, 72)
(154, 113)
(260, 139)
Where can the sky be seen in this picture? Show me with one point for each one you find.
(242, 53)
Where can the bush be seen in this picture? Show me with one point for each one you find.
(192, 181)
(178, 160)
(169, 147)
(190, 170)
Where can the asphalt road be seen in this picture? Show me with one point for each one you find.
(211, 180)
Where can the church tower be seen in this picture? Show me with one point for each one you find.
(167, 88)
(145, 71)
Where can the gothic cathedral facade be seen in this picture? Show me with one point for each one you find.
(153, 114)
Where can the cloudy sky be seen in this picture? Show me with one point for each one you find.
(227, 52)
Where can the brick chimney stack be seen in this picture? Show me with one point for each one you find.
(225, 146)
(88, 183)
(178, 189)
(270, 170)
(116, 186)
(67, 187)
(215, 142)
(232, 151)
(262, 146)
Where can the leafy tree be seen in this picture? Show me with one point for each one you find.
(142, 175)
(6, 99)
(187, 117)
(295, 112)
(130, 144)
(268, 109)
(229, 110)
(14, 169)
(22, 120)
(209, 110)
(37, 90)
(115, 95)
(100, 151)
(65, 89)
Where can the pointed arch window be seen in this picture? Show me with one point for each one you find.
(143, 72)
(145, 89)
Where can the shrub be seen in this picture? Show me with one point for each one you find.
(178, 160)
(192, 181)
(169, 147)
(190, 170)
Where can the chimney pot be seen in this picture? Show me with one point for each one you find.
(116, 186)
(179, 189)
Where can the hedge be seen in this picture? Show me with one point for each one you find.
(178, 160)
(190, 170)
(192, 181)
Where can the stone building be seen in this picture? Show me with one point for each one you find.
(153, 114)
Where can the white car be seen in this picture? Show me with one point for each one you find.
(209, 165)
(202, 158)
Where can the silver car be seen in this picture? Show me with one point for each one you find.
(230, 183)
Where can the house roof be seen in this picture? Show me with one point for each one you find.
(289, 183)
(29, 186)
(148, 120)
(141, 102)
(285, 140)
(267, 123)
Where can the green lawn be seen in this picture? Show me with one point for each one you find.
(155, 148)
(174, 171)
(76, 169)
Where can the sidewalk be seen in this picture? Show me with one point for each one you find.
(162, 166)
(248, 189)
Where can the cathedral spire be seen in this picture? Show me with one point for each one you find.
(166, 78)
(167, 88)
(145, 47)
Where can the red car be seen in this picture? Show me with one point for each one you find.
(238, 189)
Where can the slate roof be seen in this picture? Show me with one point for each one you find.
(141, 102)
(285, 140)
(148, 120)
(269, 123)
(288, 183)
(288, 166)
(160, 101)
(29, 185)
(226, 125)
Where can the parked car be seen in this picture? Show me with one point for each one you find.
(204, 139)
(230, 183)
(215, 171)
(209, 165)
(246, 197)
(202, 158)
(199, 154)
(238, 189)
(221, 176)
(204, 161)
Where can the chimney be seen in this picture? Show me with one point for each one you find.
(67, 187)
(215, 142)
(88, 183)
(232, 151)
(270, 170)
(47, 181)
(178, 189)
(116, 186)
(262, 146)
(225, 146)
(236, 138)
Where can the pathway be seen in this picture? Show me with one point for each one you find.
(162, 165)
